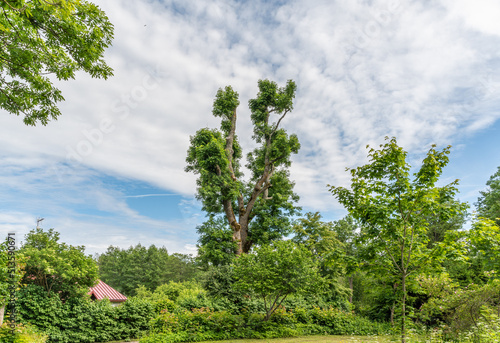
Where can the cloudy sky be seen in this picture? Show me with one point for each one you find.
(110, 171)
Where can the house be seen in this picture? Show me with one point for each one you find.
(102, 290)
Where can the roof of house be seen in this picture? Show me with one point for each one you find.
(102, 290)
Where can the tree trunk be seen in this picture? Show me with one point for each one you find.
(403, 312)
(393, 307)
(351, 287)
(2, 312)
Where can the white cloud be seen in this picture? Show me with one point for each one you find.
(423, 73)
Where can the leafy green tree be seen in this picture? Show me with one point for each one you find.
(488, 204)
(127, 269)
(216, 246)
(320, 238)
(257, 209)
(57, 267)
(42, 38)
(346, 232)
(484, 244)
(442, 223)
(273, 272)
(394, 209)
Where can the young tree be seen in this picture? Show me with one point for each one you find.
(273, 272)
(57, 267)
(394, 209)
(41, 38)
(488, 204)
(257, 209)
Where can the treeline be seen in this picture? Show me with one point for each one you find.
(127, 269)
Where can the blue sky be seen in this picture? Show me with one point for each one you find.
(110, 171)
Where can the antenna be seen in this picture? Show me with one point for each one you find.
(38, 221)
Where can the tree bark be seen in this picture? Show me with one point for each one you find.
(2, 312)
(351, 287)
(403, 314)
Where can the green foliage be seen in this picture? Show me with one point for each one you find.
(321, 239)
(196, 321)
(7, 278)
(394, 211)
(461, 309)
(273, 272)
(258, 208)
(206, 324)
(176, 296)
(22, 334)
(57, 267)
(485, 330)
(484, 242)
(126, 270)
(41, 38)
(488, 204)
(216, 246)
(82, 320)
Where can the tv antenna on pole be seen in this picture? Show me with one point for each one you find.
(38, 221)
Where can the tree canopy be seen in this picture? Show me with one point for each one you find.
(488, 204)
(57, 267)
(42, 38)
(127, 269)
(258, 209)
(276, 271)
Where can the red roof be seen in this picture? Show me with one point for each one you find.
(102, 291)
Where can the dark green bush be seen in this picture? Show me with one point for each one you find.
(80, 320)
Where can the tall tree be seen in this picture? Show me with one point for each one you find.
(488, 204)
(257, 209)
(394, 210)
(41, 38)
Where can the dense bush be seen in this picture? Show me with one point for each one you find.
(207, 324)
(83, 320)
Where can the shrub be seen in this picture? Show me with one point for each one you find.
(80, 320)
(22, 334)
(207, 324)
(345, 323)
